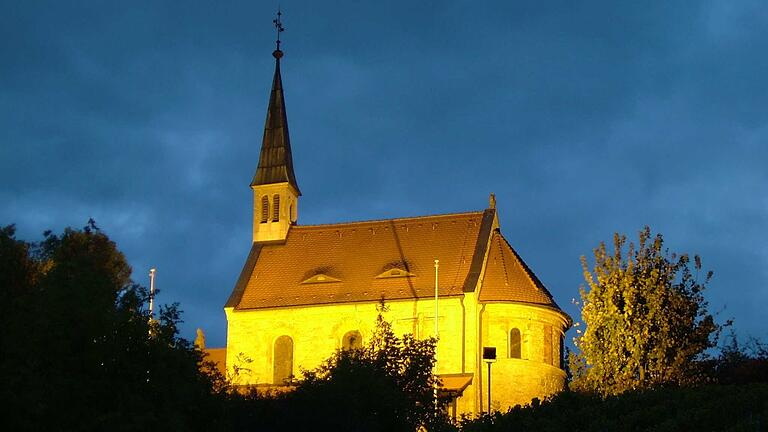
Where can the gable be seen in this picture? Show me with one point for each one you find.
(362, 257)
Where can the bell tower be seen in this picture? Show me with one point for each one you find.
(275, 191)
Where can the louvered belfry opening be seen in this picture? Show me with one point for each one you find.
(275, 208)
(264, 209)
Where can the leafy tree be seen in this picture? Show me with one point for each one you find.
(741, 364)
(646, 319)
(387, 385)
(79, 350)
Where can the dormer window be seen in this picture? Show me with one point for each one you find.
(264, 209)
(394, 273)
(275, 208)
(320, 278)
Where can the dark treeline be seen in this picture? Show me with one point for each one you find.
(733, 396)
(76, 349)
(79, 352)
(700, 408)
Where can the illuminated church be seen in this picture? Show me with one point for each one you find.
(308, 290)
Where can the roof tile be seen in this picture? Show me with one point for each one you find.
(508, 278)
(356, 253)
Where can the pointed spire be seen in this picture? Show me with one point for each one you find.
(275, 160)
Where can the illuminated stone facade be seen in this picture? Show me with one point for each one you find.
(306, 291)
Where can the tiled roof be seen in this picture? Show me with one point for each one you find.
(455, 383)
(356, 253)
(508, 278)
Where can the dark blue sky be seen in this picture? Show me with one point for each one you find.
(585, 118)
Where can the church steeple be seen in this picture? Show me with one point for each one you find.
(275, 191)
(275, 160)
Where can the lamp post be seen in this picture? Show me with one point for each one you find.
(489, 356)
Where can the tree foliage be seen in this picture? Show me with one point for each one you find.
(76, 348)
(646, 318)
(740, 363)
(699, 408)
(387, 385)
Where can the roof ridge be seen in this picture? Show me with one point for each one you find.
(497, 233)
(399, 219)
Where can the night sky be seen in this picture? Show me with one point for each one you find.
(585, 118)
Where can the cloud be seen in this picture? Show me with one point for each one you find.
(584, 119)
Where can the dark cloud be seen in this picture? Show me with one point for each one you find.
(584, 119)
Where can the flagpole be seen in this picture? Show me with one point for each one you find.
(152, 272)
(437, 328)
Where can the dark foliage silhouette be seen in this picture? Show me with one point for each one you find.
(76, 350)
(700, 408)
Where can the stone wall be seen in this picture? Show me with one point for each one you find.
(317, 331)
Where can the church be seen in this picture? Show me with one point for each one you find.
(308, 290)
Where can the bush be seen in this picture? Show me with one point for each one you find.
(703, 408)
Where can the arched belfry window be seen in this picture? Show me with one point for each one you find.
(352, 340)
(275, 208)
(283, 366)
(515, 344)
(264, 209)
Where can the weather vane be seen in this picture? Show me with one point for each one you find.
(279, 27)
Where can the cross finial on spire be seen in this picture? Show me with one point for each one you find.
(279, 28)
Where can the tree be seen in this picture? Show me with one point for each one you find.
(741, 364)
(386, 385)
(77, 351)
(646, 319)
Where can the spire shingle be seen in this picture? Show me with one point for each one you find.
(275, 160)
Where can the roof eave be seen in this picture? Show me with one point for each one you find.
(551, 307)
(314, 304)
(245, 276)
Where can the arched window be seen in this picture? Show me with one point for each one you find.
(264, 209)
(561, 354)
(352, 340)
(548, 358)
(515, 344)
(275, 208)
(292, 213)
(283, 360)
